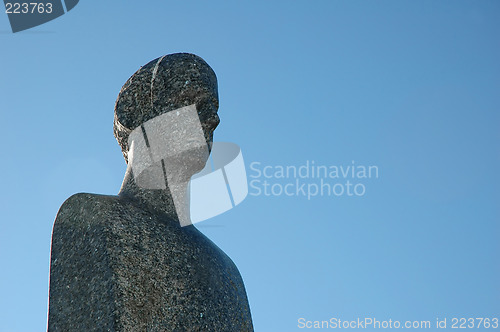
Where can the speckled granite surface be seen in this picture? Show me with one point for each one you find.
(123, 263)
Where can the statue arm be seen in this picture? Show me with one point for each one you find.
(80, 298)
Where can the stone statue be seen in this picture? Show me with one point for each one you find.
(126, 263)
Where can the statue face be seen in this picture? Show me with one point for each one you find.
(164, 85)
(209, 119)
(172, 146)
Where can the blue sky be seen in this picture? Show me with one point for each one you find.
(411, 87)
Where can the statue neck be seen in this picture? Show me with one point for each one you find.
(172, 201)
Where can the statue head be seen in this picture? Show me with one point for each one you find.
(163, 85)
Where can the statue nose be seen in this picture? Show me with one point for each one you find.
(213, 121)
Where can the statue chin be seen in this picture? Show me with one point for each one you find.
(175, 169)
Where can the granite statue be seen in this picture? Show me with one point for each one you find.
(133, 262)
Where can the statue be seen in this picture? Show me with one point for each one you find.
(133, 262)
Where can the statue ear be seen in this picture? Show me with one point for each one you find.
(133, 104)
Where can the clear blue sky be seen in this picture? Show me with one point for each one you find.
(412, 87)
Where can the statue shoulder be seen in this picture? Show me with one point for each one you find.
(85, 207)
